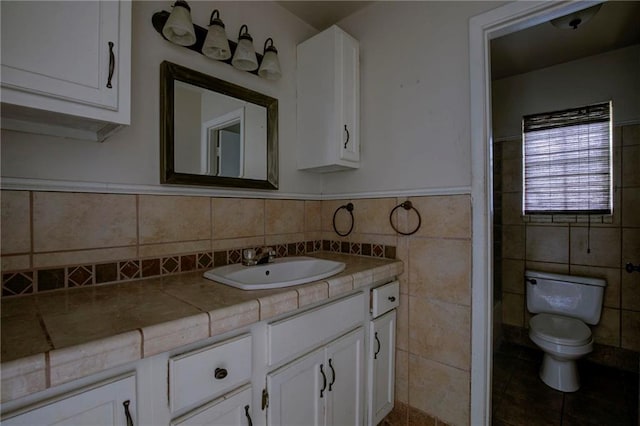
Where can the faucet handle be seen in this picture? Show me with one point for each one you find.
(249, 254)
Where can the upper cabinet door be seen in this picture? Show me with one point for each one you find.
(328, 102)
(62, 49)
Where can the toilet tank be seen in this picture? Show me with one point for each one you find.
(568, 295)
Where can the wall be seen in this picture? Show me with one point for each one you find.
(132, 156)
(559, 243)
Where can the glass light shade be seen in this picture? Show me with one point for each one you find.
(245, 56)
(216, 45)
(270, 66)
(179, 28)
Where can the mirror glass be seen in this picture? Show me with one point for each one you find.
(216, 133)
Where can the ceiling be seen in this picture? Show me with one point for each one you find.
(614, 26)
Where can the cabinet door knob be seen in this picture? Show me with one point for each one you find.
(220, 373)
(127, 414)
(392, 298)
(112, 64)
(347, 141)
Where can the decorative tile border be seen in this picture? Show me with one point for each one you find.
(16, 283)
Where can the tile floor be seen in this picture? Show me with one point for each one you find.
(607, 396)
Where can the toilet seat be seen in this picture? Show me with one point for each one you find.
(560, 330)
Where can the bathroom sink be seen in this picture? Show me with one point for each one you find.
(283, 272)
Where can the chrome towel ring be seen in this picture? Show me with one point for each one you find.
(349, 208)
(407, 205)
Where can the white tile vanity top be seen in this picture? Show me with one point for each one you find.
(64, 335)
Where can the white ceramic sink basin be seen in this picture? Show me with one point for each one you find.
(283, 272)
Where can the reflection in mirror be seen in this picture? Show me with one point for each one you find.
(216, 133)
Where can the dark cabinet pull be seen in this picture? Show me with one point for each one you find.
(127, 414)
(112, 65)
(392, 299)
(246, 413)
(347, 141)
(324, 382)
(220, 373)
(375, 355)
(333, 375)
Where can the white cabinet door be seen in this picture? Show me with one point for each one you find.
(231, 410)
(382, 366)
(328, 102)
(105, 404)
(295, 392)
(66, 67)
(345, 361)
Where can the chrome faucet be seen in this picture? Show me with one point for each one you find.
(260, 256)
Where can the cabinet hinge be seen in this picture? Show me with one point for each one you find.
(265, 398)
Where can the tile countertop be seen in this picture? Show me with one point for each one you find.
(53, 338)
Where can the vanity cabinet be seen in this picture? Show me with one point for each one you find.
(110, 403)
(66, 67)
(324, 387)
(328, 102)
(231, 410)
(382, 350)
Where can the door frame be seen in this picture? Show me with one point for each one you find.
(483, 28)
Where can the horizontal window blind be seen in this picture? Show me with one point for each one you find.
(567, 161)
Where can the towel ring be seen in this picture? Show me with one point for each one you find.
(407, 205)
(349, 208)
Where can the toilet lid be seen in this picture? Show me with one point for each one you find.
(560, 330)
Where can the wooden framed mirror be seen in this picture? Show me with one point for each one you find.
(215, 133)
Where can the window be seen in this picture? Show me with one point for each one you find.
(567, 161)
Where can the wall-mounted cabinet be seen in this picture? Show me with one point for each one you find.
(328, 102)
(66, 67)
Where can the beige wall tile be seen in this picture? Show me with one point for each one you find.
(513, 309)
(548, 243)
(440, 331)
(402, 324)
(163, 219)
(80, 257)
(402, 376)
(442, 216)
(557, 268)
(284, 216)
(630, 289)
(440, 269)
(15, 222)
(237, 217)
(272, 240)
(611, 275)
(312, 215)
(630, 169)
(72, 221)
(630, 245)
(512, 208)
(631, 330)
(372, 216)
(513, 276)
(607, 331)
(631, 135)
(512, 175)
(513, 241)
(511, 149)
(169, 249)
(604, 245)
(631, 206)
(343, 220)
(15, 263)
(235, 243)
(439, 390)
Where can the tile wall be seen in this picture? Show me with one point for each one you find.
(559, 244)
(54, 240)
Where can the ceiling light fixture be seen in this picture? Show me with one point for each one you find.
(573, 20)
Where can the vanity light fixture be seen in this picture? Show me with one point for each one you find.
(270, 66)
(245, 56)
(216, 45)
(179, 27)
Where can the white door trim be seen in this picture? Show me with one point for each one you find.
(482, 28)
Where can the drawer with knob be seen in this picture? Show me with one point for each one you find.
(201, 375)
(385, 298)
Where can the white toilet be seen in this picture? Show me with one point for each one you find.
(563, 304)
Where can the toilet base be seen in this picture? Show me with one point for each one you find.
(560, 374)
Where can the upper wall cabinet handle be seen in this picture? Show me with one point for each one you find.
(112, 65)
(347, 141)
